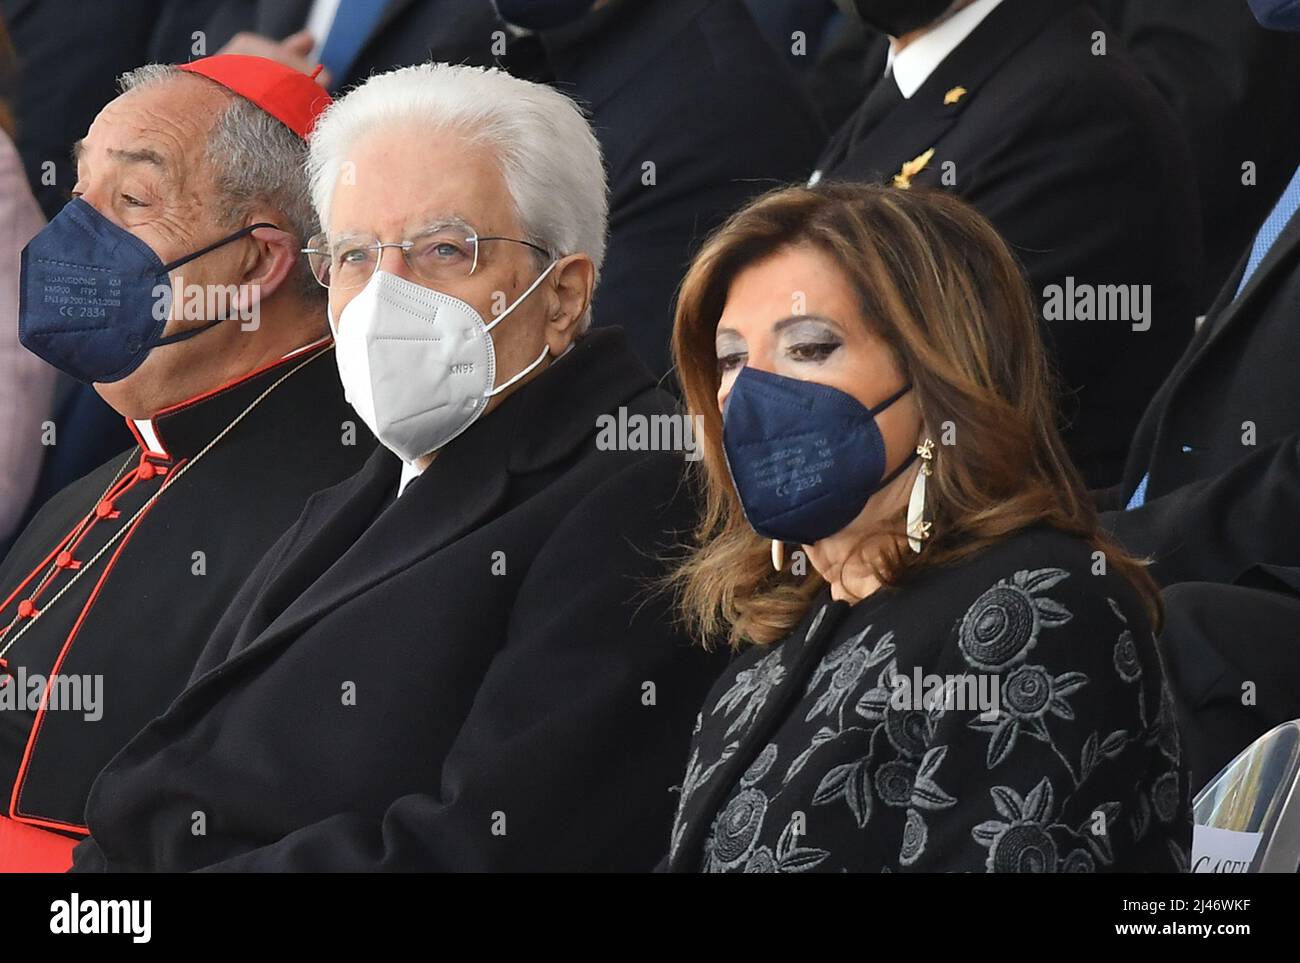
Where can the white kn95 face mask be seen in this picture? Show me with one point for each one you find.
(417, 365)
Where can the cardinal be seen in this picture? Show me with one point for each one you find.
(193, 176)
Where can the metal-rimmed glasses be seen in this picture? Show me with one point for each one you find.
(442, 252)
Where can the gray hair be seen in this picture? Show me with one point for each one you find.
(549, 156)
(255, 159)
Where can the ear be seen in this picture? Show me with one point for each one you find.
(273, 257)
(574, 279)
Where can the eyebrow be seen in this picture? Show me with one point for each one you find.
(138, 155)
(452, 220)
(790, 322)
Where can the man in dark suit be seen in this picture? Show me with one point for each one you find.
(694, 110)
(1233, 86)
(1211, 494)
(1076, 160)
(67, 73)
(823, 46)
(357, 37)
(1231, 401)
(1217, 459)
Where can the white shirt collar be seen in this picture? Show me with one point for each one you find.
(913, 65)
(149, 437)
(149, 434)
(409, 474)
(320, 20)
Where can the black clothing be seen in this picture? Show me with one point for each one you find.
(1080, 165)
(807, 758)
(148, 590)
(479, 675)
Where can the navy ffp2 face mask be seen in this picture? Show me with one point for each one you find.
(1277, 14)
(94, 298)
(804, 457)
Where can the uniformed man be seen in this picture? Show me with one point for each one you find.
(1029, 110)
(173, 283)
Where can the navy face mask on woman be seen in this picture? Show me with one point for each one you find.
(1277, 14)
(94, 298)
(804, 457)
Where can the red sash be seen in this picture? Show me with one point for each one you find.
(27, 849)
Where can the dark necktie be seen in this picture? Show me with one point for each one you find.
(882, 99)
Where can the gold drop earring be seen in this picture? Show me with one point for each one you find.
(918, 529)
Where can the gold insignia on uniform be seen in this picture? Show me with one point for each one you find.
(954, 95)
(903, 179)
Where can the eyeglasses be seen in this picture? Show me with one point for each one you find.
(435, 255)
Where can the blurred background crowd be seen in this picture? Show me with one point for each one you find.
(1148, 144)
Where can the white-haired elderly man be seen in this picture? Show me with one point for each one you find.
(459, 659)
(172, 283)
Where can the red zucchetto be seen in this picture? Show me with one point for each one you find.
(293, 98)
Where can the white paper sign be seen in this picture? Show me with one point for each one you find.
(1222, 850)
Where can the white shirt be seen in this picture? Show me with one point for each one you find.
(913, 65)
(149, 437)
(319, 21)
(409, 474)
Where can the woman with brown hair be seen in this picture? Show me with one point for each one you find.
(944, 663)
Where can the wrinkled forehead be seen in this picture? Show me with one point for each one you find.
(400, 178)
(162, 129)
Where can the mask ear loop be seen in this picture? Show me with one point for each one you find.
(522, 374)
(890, 400)
(523, 297)
(173, 265)
(501, 317)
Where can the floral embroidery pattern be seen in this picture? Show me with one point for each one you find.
(750, 691)
(1029, 695)
(1026, 839)
(886, 768)
(1005, 622)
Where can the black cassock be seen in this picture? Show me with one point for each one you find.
(118, 582)
(478, 674)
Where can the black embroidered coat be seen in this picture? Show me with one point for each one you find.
(813, 754)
